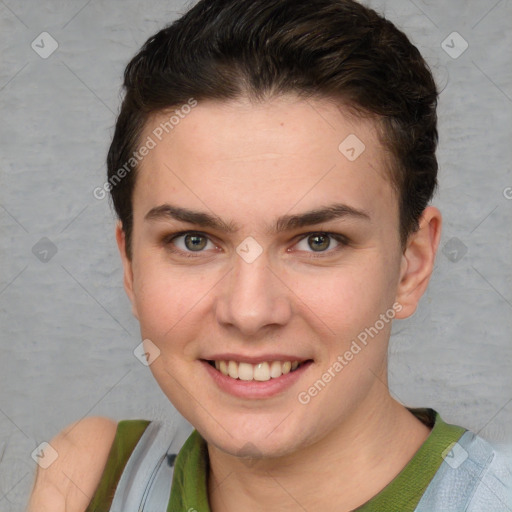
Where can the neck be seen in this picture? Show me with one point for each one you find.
(350, 465)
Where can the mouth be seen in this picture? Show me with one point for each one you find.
(260, 372)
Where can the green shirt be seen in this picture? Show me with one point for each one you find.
(190, 479)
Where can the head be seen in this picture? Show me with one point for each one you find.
(261, 126)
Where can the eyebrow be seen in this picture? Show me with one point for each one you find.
(283, 224)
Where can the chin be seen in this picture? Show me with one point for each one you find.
(255, 440)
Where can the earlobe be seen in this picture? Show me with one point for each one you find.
(127, 266)
(418, 261)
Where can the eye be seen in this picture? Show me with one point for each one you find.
(319, 242)
(193, 243)
(188, 242)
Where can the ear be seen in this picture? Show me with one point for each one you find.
(418, 261)
(127, 266)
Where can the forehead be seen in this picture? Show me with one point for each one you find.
(284, 153)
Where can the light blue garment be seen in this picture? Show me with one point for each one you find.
(145, 485)
(474, 477)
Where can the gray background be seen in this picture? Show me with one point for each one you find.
(67, 333)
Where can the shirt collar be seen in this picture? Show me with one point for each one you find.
(190, 480)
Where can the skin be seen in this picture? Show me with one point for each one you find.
(69, 483)
(249, 164)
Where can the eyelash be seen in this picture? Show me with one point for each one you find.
(342, 241)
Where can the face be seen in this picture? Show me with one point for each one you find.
(258, 243)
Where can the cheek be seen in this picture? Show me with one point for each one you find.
(347, 298)
(174, 303)
(164, 297)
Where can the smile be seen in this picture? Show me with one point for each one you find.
(262, 371)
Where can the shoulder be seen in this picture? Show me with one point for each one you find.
(494, 487)
(475, 475)
(82, 452)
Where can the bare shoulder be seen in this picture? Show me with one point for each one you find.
(69, 483)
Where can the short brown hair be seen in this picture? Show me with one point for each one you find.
(336, 49)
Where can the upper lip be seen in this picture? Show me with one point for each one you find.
(239, 358)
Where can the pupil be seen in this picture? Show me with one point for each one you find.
(322, 242)
(197, 242)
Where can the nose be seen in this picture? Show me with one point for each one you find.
(253, 297)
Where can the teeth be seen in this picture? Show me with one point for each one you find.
(233, 369)
(261, 372)
(245, 371)
(275, 369)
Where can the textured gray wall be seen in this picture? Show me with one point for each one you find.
(67, 333)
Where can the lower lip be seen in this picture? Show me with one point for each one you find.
(254, 388)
